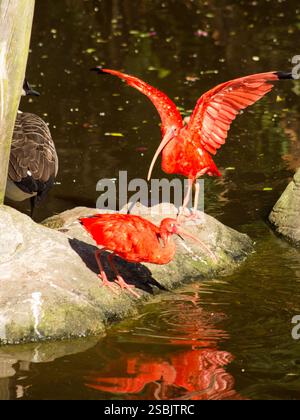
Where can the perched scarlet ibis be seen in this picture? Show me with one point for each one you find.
(187, 146)
(134, 239)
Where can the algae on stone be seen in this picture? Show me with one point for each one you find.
(285, 214)
(49, 285)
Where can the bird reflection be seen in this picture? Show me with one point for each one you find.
(186, 375)
(192, 367)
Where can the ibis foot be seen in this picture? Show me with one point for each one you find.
(106, 283)
(125, 286)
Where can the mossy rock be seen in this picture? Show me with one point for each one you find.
(285, 214)
(49, 285)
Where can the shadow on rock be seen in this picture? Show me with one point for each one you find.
(134, 274)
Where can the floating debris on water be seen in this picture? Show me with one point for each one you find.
(114, 134)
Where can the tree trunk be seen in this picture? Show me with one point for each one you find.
(15, 29)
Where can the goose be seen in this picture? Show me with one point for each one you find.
(33, 163)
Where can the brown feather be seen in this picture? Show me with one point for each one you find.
(32, 150)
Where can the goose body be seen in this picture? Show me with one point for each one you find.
(33, 163)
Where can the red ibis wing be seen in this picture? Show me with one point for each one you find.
(216, 109)
(166, 108)
(126, 235)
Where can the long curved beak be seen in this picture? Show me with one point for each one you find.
(181, 232)
(167, 138)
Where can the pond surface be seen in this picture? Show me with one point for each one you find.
(223, 338)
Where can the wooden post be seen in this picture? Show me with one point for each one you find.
(16, 18)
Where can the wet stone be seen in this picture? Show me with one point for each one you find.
(285, 214)
(49, 288)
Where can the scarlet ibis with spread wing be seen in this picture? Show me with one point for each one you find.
(187, 149)
(136, 240)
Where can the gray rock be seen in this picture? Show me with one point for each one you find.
(22, 356)
(285, 216)
(49, 287)
(40, 353)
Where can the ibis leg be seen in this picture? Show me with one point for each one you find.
(102, 275)
(186, 201)
(119, 279)
(194, 215)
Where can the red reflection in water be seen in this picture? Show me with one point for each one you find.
(193, 375)
(194, 371)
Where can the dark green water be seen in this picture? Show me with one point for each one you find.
(224, 338)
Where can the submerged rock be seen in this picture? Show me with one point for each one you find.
(285, 215)
(49, 288)
(22, 356)
(45, 352)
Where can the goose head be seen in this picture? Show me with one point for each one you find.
(28, 91)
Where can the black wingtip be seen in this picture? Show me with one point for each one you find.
(284, 75)
(98, 70)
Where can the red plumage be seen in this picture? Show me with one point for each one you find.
(134, 239)
(187, 149)
(167, 110)
(216, 109)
